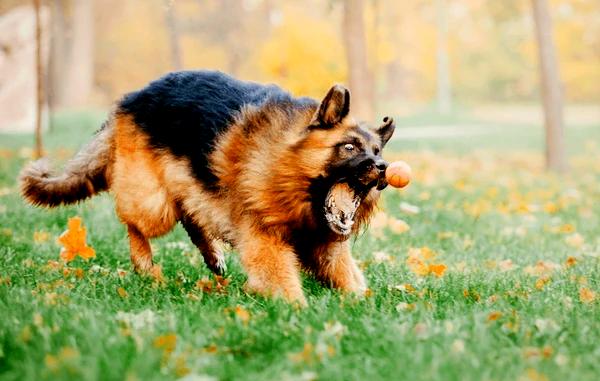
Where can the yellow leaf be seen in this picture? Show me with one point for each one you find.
(541, 282)
(494, 315)
(586, 295)
(445, 235)
(40, 237)
(566, 228)
(418, 261)
(122, 293)
(398, 226)
(550, 207)
(166, 342)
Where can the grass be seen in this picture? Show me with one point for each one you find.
(521, 247)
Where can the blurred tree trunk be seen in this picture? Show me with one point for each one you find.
(360, 78)
(551, 88)
(38, 152)
(231, 29)
(171, 21)
(444, 95)
(58, 52)
(71, 75)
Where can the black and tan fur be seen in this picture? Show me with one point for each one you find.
(233, 161)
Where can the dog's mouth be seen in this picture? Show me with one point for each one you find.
(340, 208)
(344, 198)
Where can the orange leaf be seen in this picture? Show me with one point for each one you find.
(73, 242)
(541, 282)
(166, 342)
(494, 315)
(242, 314)
(438, 269)
(586, 295)
(571, 261)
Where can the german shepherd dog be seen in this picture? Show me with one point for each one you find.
(235, 161)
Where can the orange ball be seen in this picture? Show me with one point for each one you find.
(398, 174)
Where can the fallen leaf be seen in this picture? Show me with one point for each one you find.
(166, 342)
(458, 346)
(586, 295)
(73, 241)
(419, 262)
(409, 208)
(445, 235)
(575, 240)
(437, 269)
(242, 314)
(494, 315)
(506, 265)
(122, 293)
(541, 268)
(571, 261)
(40, 236)
(398, 226)
(541, 282)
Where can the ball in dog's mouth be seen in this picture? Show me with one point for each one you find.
(340, 207)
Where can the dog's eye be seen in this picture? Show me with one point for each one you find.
(349, 147)
(376, 151)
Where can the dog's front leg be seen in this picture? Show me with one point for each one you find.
(336, 268)
(272, 266)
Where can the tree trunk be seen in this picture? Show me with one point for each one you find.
(72, 54)
(444, 96)
(231, 29)
(360, 78)
(171, 21)
(58, 53)
(38, 152)
(551, 88)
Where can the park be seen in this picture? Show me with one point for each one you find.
(486, 266)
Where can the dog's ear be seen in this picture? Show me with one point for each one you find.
(333, 108)
(386, 130)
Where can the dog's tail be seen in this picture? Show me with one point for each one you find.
(84, 175)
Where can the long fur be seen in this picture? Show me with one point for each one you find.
(83, 176)
(236, 161)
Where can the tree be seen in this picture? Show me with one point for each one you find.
(444, 97)
(71, 76)
(38, 152)
(360, 78)
(171, 21)
(551, 88)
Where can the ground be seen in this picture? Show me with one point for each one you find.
(485, 268)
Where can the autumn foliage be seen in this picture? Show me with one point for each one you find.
(73, 242)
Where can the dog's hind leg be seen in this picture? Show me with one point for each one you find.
(213, 256)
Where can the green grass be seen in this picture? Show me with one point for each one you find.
(54, 325)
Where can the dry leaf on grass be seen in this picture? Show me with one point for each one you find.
(73, 242)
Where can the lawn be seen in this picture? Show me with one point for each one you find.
(519, 298)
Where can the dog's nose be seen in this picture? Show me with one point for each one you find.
(381, 164)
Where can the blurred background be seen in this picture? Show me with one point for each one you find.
(469, 70)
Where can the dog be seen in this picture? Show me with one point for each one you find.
(233, 161)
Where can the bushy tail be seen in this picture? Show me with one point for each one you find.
(84, 175)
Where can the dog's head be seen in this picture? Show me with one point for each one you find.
(353, 157)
